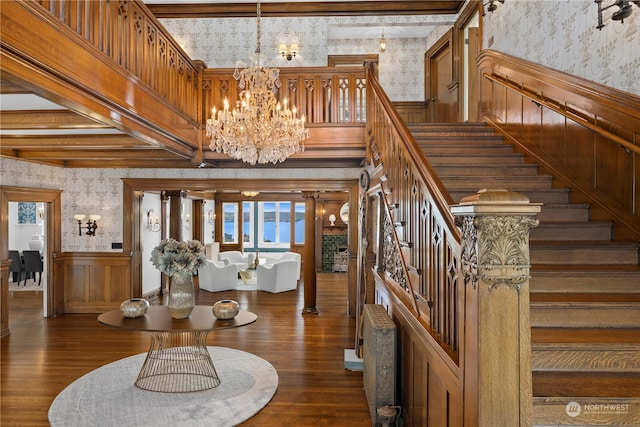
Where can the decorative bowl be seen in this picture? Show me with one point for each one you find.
(226, 309)
(134, 307)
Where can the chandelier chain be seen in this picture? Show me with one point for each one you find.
(258, 36)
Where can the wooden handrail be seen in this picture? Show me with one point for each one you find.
(586, 134)
(424, 168)
(576, 118)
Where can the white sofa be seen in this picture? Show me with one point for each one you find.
(215, 276)
(278, 277)
(237, 258)
(276, 257)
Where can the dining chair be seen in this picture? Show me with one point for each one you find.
(17, 267)
(33, 264)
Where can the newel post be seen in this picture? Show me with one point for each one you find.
(497, 343)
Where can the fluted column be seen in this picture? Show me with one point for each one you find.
(310, 253)
(497, 345)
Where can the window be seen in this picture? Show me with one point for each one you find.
(248, 225)
(298, 229)
(274, 227)
(230, 222)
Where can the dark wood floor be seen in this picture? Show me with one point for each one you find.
(42, 356)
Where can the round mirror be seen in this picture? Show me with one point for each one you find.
(344, 213)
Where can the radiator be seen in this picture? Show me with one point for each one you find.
(379, 354)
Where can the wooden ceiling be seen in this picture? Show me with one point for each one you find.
(66, 138)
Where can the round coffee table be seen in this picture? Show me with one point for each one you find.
(178, 359)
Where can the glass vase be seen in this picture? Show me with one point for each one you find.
(181, 296)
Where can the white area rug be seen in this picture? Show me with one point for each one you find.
(247, 286)
(107, 396)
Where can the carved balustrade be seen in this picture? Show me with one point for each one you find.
(131, 36)
(418, 219)
(324, 95)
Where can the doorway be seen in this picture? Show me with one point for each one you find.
(53, 301)
(26, 240)
(439, 87)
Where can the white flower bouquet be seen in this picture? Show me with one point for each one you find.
(172, 257)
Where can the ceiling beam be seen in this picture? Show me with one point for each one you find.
(47, 119)
(299, 9)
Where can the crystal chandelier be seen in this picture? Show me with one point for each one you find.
(258, 129)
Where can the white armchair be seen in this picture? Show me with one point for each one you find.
(215, 276)
(276, 257)
(240, 260)
(293, 256)
(278, 277)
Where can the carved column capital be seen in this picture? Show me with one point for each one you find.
(495, 237)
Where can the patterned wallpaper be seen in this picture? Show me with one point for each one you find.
(224, 42)
(570, 41)
(99, 191)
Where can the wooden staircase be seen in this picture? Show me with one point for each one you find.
(585, 287)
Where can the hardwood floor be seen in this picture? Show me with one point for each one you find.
(42, 356)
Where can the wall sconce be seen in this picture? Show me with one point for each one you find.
(492, 6)
(288, 52)
(41, 213)
(624, 11)
(332, 220)
(211, 217)
(153, 223)
(382, 43)
(249, 193)
(92, 224)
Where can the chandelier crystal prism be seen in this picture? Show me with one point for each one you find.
(259, 129)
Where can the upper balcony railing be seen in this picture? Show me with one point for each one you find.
(324, 95)
(131, 36)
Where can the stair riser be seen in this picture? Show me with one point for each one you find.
(468, 132)
(555, 232)
(465, 160)
(566, 255)
(494, 150)
(612, 315)
(489, 170)
(510, 183)
(562, 282)
(480, 140)
(564, 213)
(542, 196)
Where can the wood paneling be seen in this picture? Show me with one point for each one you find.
(430, 387)
(95, 282)
(411, 112)
(586, 134)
